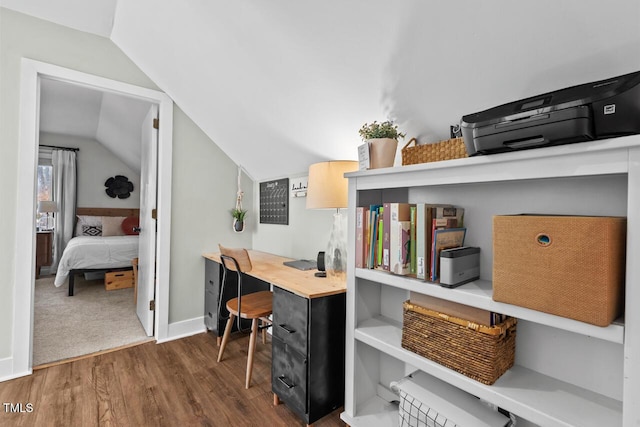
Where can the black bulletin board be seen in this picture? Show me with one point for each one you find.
(274, 202)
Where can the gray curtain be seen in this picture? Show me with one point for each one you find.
(64, 192)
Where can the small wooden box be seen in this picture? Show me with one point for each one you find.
(118, 280)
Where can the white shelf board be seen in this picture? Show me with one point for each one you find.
(479, 294)
(602, 157)
(538, 398)
(376, 412)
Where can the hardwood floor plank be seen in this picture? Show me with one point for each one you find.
(21, 391)
(89, 396)
(111, 403)
(139, 393)
(178, 383)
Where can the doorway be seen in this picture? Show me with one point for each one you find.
(32, 74)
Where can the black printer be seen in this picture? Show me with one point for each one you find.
(601, 109)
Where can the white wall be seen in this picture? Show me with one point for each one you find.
(204, 192)
(95, 164)
(306, 235)
(295, 81)
(203, 184)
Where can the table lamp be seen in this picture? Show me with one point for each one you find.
(47, 206)
(327, 188)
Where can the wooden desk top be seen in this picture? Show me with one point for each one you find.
(269, 268)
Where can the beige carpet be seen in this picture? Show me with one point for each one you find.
(91, 320)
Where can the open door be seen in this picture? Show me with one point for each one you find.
(148, 198)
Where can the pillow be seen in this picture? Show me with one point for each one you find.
(91, 230)
(86, 220)
(112, 225)
(128, 224)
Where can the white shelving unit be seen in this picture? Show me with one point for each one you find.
(566, 373)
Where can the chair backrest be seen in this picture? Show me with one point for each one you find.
(240, 255)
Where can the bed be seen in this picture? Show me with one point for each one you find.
(86, 253)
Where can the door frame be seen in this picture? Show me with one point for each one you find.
(31, 74)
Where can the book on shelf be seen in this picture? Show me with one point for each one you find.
(374, 212)
(422, 259)
(399, 244)
(360, 236)
(412, 239)
(462, 311)
(424, 237)
(445, 238)
(447, 217)
(380, 238)
(380, 242)
(386, 219)
(363, 156)
(443, 217)
(400, 263)
(449, 211)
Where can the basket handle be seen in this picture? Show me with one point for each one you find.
(410, 141)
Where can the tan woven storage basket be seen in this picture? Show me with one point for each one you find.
(443, 150)
(483, 353)
(570, 266)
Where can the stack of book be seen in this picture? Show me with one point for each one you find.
(407, 239)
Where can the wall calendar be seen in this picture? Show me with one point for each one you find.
(274, 202)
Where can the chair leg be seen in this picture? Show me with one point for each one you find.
(225, 337)
(264, 332)
(252, 350)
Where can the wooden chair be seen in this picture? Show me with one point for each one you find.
(255, 306)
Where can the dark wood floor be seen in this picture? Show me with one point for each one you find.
(178, 383)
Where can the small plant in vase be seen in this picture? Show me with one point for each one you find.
(382, 139)
(238, 219)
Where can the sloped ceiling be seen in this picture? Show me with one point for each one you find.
(113, 120)
(94, 16)
(279, 85)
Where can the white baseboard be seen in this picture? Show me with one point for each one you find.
(6, 370)
(184, 328)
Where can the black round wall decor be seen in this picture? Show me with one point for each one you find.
(118, 186)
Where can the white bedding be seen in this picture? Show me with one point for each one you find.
(96, 252)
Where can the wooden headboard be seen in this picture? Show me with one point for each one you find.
(108, 211)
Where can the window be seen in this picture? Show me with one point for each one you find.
(44, 190)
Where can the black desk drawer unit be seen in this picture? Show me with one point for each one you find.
(212, 286)
(289, 372)
(292, 319)
(307, 368)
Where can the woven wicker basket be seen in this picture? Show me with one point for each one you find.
(443, 150)
(483, 353)
(570, 266)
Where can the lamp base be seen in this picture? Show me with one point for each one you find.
(336, 254)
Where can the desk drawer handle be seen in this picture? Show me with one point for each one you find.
(284, 326)
(283, 380)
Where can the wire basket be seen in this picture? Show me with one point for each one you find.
(480, 352)
(444, 150)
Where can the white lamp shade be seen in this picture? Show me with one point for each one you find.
(327, 187)
(47, 206)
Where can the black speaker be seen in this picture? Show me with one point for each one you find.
(320, 261)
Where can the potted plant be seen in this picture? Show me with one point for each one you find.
(238, 219)
(382, 139)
